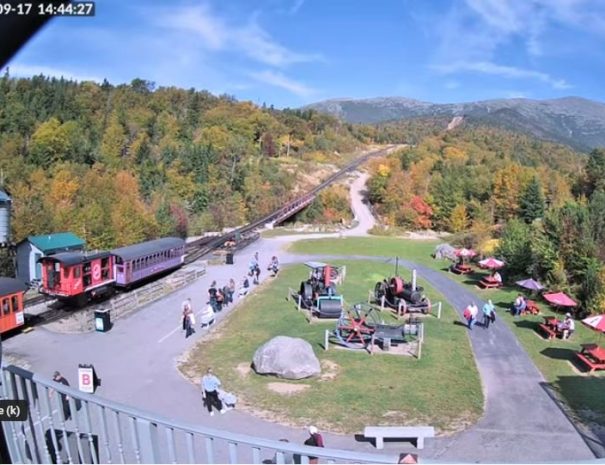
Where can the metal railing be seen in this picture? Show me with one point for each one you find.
(65, 425)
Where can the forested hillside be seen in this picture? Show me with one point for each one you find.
(543, 203)
(119, 164)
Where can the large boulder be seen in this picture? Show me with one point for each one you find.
(286, 357)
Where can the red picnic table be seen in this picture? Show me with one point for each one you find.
(550, 327)
(488, 282)
(462, 268)
(593, 356)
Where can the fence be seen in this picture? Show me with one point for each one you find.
(103, 431)
(125, 304)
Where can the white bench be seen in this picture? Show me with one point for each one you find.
(381, 432)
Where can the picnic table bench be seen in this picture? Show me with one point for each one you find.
(547, 330)
(379, 433)
(461, 268)
(593, 356)
(531, 307)
(489, 283)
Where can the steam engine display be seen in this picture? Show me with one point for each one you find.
(77, 277)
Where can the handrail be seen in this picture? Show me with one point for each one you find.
(15, 376)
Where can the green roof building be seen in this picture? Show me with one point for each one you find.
(34, 247)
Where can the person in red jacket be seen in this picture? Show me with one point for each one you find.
(315, 439)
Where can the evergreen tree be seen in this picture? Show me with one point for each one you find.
(531, 201)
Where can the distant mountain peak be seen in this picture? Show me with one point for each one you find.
(575, 121)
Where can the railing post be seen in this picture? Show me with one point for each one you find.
(148, 441)
(439, 310)
(326, 339)
(382, 299)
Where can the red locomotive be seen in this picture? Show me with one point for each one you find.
(76, 276)
(11, 303)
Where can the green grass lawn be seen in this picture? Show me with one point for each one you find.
(555, 359)
(378, 389)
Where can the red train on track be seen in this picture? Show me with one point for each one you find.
(77, 277)
(11, 303)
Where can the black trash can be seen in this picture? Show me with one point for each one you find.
(229, 258)
(102, 320)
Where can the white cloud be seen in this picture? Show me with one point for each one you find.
(24, 70)
(279, 80)
(503, 71)
(217, 34)
(452, 84)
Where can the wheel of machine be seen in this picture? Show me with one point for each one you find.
(379, 291)
(396, 285)
(404, 306)
(329, 308)
(306, 291)
(427, 309)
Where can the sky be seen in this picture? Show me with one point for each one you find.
(289, 53)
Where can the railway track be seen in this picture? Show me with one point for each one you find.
(201, 247)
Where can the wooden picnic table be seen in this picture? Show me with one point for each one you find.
(593, 356)
(550, 327)
(488, 282)
(531, 307)
(462, 268)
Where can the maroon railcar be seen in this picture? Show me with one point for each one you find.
(76, 276)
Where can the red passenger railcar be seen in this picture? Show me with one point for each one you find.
(77, 277)
(11, 303)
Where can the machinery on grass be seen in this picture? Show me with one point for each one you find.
(318, 293)
(401, 295)
(361, 326)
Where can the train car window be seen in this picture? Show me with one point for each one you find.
(15, 302)
(86, 280)
(104, 262)
(118, 260)
(77, 272)
(5, 306)
(66, 273)
(87, 267)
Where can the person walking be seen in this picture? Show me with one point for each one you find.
(231, 289)
(189, 319)
(59, 378)
(315, 439)
(210, 385)
(470, 313)
(489, 314)
(186, 308)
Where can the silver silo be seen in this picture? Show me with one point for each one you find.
(5, 218)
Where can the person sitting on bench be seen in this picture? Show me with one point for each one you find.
(519, 305)
(496, 277)
(567, 326)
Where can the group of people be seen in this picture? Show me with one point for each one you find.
(471, 313)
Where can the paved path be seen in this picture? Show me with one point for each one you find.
(137, 363)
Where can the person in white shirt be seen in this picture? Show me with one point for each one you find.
(497, 277)
(568, 326)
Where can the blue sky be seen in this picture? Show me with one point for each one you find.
(294, 52)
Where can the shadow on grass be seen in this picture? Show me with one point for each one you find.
(526, 324)
(460, 323)
(503, 305)
(559, 353)
(576, 391)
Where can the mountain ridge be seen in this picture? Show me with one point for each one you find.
(575, 121)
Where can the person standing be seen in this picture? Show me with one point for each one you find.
(212, 296)
(489, 315)
(210, 385)
(315, 439)
(59, 378)
(231, 289)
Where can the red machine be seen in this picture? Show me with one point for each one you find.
(11, 303)
(77, 277)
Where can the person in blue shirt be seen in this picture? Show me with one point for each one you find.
(488, 314)
(210, 385)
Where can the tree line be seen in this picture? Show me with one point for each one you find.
(121, 164)
(543, 203)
